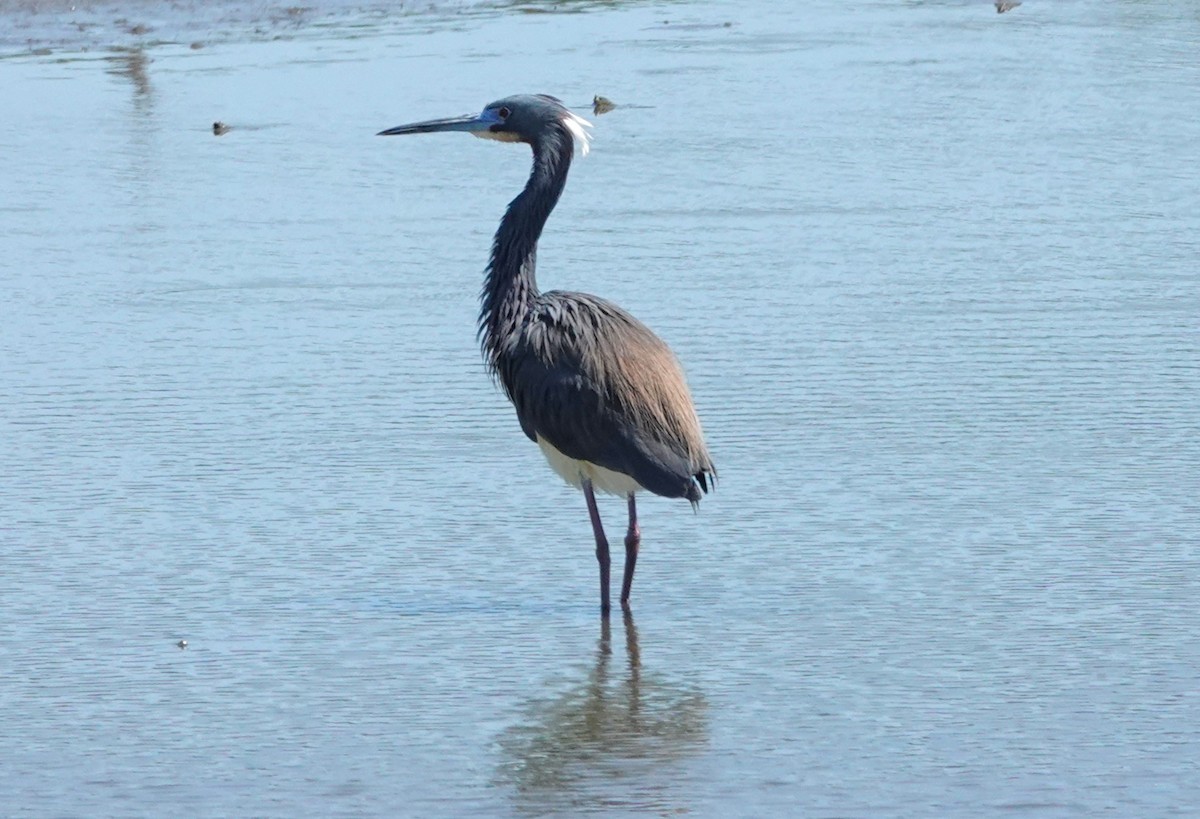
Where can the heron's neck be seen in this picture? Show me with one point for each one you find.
(510, 285)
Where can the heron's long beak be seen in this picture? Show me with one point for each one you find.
(471, 123)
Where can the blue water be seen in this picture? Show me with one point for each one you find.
(933, 273)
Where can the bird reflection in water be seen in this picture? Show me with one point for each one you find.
(133, 64)
(607, 743)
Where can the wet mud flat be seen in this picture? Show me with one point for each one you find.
(31, 27)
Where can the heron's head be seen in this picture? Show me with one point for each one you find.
(521, 118)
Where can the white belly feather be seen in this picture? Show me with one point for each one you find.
(574, 472)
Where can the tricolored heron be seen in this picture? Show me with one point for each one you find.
(604, 398)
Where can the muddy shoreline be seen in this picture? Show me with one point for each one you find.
(61, 27)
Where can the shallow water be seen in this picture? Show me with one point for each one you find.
(932, 272)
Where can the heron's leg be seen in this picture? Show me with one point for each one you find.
(601, 544)
(633, 539)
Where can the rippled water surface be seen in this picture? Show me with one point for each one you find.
(933, 272)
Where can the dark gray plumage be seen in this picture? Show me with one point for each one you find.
(600, 387)
(602, 395)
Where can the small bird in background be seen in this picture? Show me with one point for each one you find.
(602, 105)
(1006, 5)
(602, 396)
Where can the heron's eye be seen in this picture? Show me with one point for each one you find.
(504, 112)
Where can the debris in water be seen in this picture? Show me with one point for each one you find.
(182, 644)
(220, 128)
(1006, 5)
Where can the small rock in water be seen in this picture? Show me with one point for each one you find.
(220, 128)
(602, 105)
